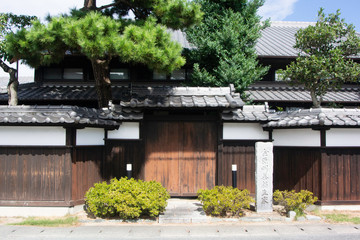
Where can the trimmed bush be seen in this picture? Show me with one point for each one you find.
(225, 201)
(294, 201)
(126, 198)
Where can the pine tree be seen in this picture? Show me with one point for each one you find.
(100, 38)
(224, 44)
(8, 23)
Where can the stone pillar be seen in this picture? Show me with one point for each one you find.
(264, 176)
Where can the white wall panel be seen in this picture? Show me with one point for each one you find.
(32, 136)
(127, 130)
(343, 137)
(296, 137)
(244, 131)
(90, 137)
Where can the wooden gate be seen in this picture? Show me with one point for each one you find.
(181, 155)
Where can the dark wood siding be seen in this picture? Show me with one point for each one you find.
(332, 174)
(340, 175)
(122, 152)
(33, 174)
(86, 169)
(298, 169)
(243, 156)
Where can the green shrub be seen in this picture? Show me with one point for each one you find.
(294, 201)
(224, 201)
(126, 198)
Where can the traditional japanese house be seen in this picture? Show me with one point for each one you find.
(187, 138)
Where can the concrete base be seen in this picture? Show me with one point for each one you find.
(39, 211)
(340, 207)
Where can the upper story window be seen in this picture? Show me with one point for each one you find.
(73, 74)
(52, 73)
(119, 74)
(63, 74)
(180, 74)
(159, 75)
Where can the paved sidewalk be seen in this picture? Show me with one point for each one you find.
(185, 219)
(186, 231)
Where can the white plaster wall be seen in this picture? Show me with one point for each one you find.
(32, 136)
(127, 130)
(244, 131)
(296, 137)
(343, 137)
(90, 137)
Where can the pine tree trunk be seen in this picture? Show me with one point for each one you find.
(90, 4)
(102, 81)
(12, 85)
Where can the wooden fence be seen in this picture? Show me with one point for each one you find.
(333, 174)
(33, 176)
(60, 176)
(243, 155)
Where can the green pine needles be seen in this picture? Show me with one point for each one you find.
(98, 35)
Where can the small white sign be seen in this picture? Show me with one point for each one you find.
(128, 167)
(234, 167)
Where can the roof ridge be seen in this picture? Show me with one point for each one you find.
(290, 24)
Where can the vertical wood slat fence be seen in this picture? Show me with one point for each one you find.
(35, 176)
(54, 176)
(297, 169)
(340, 168)
(333, 174)
(243, 155)
(86, 170)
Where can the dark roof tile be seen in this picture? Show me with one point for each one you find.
(56, 115)
(135, 96)
(317, 117)
(282, 92)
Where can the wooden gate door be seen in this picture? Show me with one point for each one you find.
(181, 155)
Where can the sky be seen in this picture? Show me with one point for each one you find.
(276, 10)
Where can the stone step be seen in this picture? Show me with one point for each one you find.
(183, 211)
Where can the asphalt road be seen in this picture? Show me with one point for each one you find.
(183, 231)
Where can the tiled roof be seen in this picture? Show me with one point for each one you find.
(183, 97)
(275, 41)
(249, 114)
(135, 96)
(300, 118)
(282, 92)
(116, 112)
(278, 39)
(54, 115)
(180, 37)
(317, 117)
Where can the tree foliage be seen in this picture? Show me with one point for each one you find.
(225, 44)
(324, 60)
(100, 38)
(8, 23)
(177, 14)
